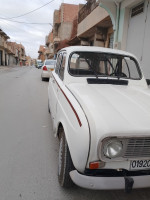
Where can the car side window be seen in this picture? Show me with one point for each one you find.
(62, 67)
(58, 63)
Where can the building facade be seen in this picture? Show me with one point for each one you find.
(131, 25)
(41, 52)
(49, 52)
(4, 49)
(94, 26)
(63, 24)
(11, 53)
(21, 53)
(30, 61)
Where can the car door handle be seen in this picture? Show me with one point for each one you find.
(53, 81)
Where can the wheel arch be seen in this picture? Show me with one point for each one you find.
(59, 128)
(78, 160)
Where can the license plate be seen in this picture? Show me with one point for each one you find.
(139, 164)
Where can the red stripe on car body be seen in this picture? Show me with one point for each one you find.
(69, 103)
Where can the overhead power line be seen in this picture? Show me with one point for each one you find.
(27, 22)
(30, 11)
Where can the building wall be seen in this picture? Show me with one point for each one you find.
(1, 56)
(6, 59)
(12, 60)
(97, 15)
(42, 57)
(120, 19)
(11, 53)
(65, 30)
(132, 32)
(4, 55)
(98, 40)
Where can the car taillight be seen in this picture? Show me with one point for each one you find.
(45, 68)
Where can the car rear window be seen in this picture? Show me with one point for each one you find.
(103, 64)
(50, 62)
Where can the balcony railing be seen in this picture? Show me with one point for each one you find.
(86, 10)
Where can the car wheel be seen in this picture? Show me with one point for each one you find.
(65, 164)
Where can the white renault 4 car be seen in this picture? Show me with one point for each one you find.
(99, 101)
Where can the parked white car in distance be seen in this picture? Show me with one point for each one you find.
(100, 107)
(47, 68)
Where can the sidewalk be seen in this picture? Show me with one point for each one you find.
(5, 68)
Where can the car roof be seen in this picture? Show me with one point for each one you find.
(96, 49)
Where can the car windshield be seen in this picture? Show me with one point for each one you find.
(103, 64)
(50, 62)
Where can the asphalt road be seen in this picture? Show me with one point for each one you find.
(28, 149)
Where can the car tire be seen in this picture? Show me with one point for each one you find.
(65, 164)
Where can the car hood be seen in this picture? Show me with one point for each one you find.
(114, 110)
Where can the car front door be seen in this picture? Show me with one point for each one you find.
(53, 90)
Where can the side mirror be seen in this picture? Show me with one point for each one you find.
(148, 81)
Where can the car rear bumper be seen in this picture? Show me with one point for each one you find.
(45, 74)
(107, 183)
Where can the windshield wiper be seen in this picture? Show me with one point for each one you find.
(91, 68)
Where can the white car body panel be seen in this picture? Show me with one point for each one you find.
(60, 108)
(130, 116)
(103, 110)
(107, 183)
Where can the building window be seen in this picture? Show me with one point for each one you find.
(137, 10)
